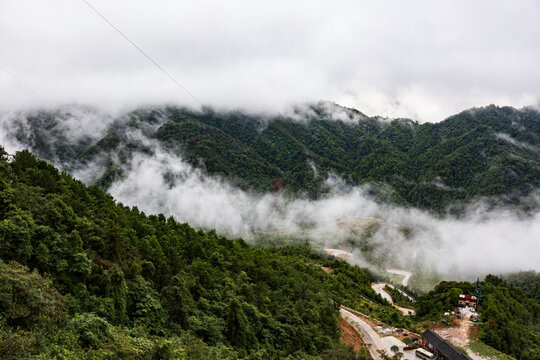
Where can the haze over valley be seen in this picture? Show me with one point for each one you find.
(215, 171)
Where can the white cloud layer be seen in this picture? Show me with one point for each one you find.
(156, 181)
(479, 243)
(420, 59)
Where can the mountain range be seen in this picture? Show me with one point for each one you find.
(490, 153)
(83, 276)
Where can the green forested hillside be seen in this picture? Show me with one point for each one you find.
(83, 277)
(510, 315)
(486, 152)
(527, 281)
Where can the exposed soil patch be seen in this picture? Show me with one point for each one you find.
(457, 335)
(328, 270)
(350, 336)
(460, 334)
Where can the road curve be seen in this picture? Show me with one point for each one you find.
(406, 275)
(405, 281)
(379, 289)
(370, 337)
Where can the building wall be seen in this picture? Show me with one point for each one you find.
(467, 303)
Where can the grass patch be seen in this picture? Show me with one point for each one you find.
(463, 350)
(487, 351)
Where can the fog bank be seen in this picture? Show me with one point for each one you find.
(480, 242)
(157, 181)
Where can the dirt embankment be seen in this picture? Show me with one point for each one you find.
(350, 336)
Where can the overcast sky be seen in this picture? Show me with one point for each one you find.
(421, 59)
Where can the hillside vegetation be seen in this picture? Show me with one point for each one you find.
(83, 277)
(489, 152)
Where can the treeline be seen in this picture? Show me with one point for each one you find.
(510, 316)
(527, 281)
(488, 152)
(83, 277)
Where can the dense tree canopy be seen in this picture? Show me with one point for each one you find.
(488, 152)
(84, 277)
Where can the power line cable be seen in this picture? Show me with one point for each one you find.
(11, 97)
(144, 53)
(26, 88)
(9, 100)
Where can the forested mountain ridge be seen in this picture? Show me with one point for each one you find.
(84, 277)
(486, 152)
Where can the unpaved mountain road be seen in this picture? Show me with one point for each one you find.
(406, 275)
(379, 289)
(370, 337)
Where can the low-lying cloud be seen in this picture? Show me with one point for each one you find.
(157, 181)
(480, 242)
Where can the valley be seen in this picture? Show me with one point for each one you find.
(347, 241)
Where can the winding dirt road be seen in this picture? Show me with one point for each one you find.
(370, 337)
(406, 275)
(379, 289)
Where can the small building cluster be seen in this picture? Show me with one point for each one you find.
(441, 348)
(468, 301)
